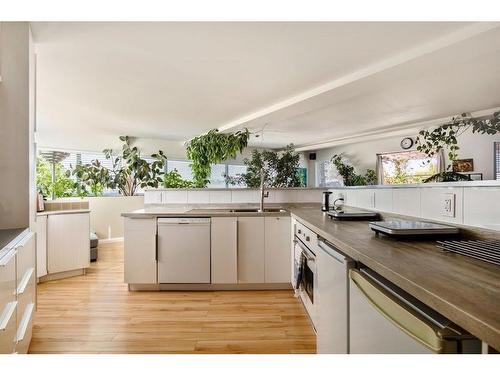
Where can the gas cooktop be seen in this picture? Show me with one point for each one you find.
(346, 214)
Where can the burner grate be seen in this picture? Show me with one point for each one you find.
(485, 250)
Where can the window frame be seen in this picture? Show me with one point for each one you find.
(382, 154)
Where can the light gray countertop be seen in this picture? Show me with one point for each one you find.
(62, 212)
(207, 210)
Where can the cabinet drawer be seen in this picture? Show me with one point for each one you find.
(25, 312)
(25, 258)
(8, 302)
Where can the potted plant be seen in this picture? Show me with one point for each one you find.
(445, 137)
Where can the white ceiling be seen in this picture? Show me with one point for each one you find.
(304, 83)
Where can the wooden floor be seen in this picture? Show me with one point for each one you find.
(96, 313)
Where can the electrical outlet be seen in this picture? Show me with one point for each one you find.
(448, 205)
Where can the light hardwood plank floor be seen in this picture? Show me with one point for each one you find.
(96, 313)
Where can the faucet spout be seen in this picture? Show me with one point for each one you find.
(263, 193)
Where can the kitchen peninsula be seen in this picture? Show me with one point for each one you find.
(462, 289)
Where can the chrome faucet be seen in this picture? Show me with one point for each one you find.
(263, 193)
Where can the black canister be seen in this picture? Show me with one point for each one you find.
(326, 201)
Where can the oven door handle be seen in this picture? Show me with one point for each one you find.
(307, 253)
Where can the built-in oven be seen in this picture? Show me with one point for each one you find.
(305, 274)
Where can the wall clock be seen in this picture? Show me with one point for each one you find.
(406, 143)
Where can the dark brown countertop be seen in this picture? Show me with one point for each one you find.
(465, 290)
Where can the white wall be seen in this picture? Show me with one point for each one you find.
(362, 155)
(105, 214)
(16, 125)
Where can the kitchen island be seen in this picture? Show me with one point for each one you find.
(465, 290)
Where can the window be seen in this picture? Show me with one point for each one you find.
(407, 167)
(87, 158)
(217, 177)
(327, 175)
(496, 155)
(70, 162)
(236, 171)
(182, 167)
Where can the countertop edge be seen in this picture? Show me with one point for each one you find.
(63, 212)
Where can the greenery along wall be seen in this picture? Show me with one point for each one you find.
(128, 171)
(281, 169)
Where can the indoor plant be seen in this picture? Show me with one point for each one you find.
(130, 171)
(350, 177)
(212, 148)
(174, 180)
(280, 169)
(444, 138)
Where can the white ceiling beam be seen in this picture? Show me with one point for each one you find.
(401, 58)
(387, 132)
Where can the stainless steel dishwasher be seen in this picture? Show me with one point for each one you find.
(183, 250)
(386, 320)
(332, 326)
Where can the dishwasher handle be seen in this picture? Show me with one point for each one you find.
(333, 251)
(406, 319)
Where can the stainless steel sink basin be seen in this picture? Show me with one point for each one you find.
(236, 210)
(257, 210)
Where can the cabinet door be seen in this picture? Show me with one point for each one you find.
(251, 250)
(68, 242)
(140, 251)
(41, 245)
(224, 241)
(277, 249)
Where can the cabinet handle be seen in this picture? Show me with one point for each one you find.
(8, 312)
(25, 240)
(299, 231)
(24, 282)
(156, 247)
(6, 259)
(308, 238)
(23, 326)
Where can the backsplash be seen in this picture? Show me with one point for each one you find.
(224, 196)
(471, 206)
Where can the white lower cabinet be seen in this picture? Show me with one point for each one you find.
(140, 255)
(68, 242)
(277, 249)
(243, 250)
(17, 295)
(8, 302)
(26, 292)
(251, 268)
(224, 250)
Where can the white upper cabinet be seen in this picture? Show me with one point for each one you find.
(277, 249)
